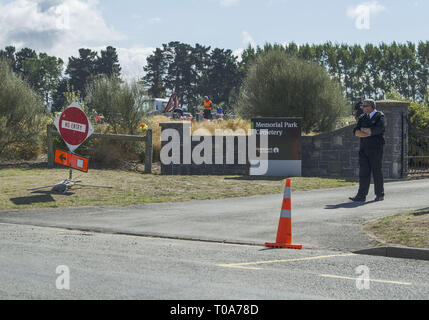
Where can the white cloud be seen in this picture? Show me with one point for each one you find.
(229, 3)
(238, 52)
(247, 39)
(61, 27)
(132, 61)
(43, 23)
(363, 12)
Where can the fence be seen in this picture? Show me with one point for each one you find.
(418, 157)
(51, 131)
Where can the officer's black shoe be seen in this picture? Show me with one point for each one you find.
(358, 199)
(379, 198)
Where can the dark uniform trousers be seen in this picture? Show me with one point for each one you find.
(370, 160)
(371, 154)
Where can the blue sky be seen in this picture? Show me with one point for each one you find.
(135, 28)
(314, 21)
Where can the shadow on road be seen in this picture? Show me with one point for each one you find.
(248, 178)
(32, 199)
(38, 197)
(348, 205)
(421, 212)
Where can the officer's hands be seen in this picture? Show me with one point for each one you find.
(366, 130)
(363, 134)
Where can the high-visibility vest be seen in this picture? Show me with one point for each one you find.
(208, 105)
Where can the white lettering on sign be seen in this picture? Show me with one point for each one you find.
(73, 126)
(291, 125)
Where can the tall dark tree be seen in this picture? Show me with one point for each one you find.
(43, 73)
(410, 67)
(332, 60)
(423, 71)
(346, 70)
(387, 65)
(222, 75)
(108, 63)
(155, 69)
(181, 76)
(306, 52)
(202, 60)
(59, 100)
(82, 70)
(248, 57)
(292, 49)
(9, 54)
(21, 56)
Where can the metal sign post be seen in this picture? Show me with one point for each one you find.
(74, 128)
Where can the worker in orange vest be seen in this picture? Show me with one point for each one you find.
(207, 108)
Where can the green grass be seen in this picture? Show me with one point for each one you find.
(409, 229)
(129, 188)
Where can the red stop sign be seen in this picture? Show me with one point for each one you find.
(74, 126)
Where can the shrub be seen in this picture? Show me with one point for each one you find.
(119, 102)
(22, 118)
(418, 133)
(153, 123)
(278, 85)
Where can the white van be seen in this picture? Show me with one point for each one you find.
(155, 105)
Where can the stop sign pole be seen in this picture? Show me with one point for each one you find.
(74, 127)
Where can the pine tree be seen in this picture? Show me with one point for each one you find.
(156, 67)
(82, 70)
(108, 63)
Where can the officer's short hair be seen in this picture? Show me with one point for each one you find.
(370, 102)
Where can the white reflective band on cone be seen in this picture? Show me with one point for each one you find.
(285, 214)
(287, 193)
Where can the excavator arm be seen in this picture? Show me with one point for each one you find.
(172, 105)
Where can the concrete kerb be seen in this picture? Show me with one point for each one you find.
(396, 252)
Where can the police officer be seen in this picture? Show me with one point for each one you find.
(370, 129)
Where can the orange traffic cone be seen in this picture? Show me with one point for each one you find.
(284, 232)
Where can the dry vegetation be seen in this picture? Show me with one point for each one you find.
(200, 128)
(133, 188)
(407, 229)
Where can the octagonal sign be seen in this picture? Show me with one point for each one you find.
(74, 126)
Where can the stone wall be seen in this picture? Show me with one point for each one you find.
(238, 168)
(336, 153)
(333, 154)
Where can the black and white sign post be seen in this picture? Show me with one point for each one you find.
(74, 128)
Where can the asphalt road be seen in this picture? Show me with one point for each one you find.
(111, 255)
(321, 219)
(106, 266)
